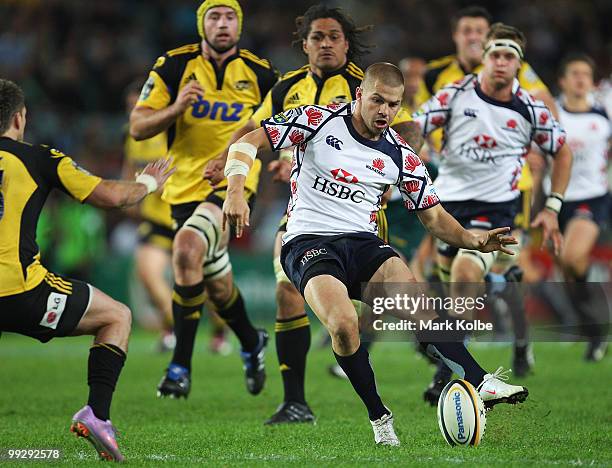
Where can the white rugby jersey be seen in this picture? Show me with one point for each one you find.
(485, 140)
(587, 136)
(338, 177)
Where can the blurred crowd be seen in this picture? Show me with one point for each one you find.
(75, 58)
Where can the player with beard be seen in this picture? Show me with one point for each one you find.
(331, 42)
(331, 251)
(200, 94)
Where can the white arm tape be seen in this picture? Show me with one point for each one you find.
(244, 148)
(554, 202)
(148, 181)
(235, 167)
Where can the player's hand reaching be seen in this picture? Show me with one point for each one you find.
(236, 212)
(188, 95)
(493, 240)
(160, 170)
(549, 222)
(213, 171)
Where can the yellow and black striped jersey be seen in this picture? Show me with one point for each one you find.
(302, 87)
(27, 175)
(446, 70)
(232, 93)
(139, 154)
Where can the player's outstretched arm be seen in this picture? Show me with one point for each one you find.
(240, 159)
(120, 193)
(442, 225)
(146, 122)
(547, 218)
(213, 171)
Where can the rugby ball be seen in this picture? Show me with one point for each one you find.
(461, 414)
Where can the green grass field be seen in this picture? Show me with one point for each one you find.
(567, 419)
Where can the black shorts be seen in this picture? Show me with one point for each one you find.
(150, 232)
(351, 258)
(183, 211)
(474, 214)
(594, 209)
(53, 308)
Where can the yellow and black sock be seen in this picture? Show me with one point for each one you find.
(292, 345)
(103, 369)
(187, 302)
(234, 314)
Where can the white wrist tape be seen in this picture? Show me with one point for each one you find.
(244, 148)
(235, 167)
(148, 181)
(554, 202)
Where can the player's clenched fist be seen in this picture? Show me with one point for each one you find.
(236, 212)
(188, 95)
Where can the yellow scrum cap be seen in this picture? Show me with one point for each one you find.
(208, 4)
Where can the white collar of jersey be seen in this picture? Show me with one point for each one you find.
(504, 44)
(515, 83)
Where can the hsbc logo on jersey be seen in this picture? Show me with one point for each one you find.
(377, 166)
(343, 176)
(485, 141)
(333, 189)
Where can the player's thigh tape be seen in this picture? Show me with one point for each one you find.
(204, 223)
(281, 277)
(506, 260)
(483, 260)
(218, 265)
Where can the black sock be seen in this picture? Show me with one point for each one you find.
(458, 359)
(234, 314)
(292, 345)
(187, 302)
(103, 369)
(443, 372)
(359, 371)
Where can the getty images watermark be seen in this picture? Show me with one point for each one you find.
(424, 313)
(544, 311)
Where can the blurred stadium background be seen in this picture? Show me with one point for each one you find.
(75, 58)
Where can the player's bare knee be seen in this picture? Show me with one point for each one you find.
(466, 271)
(343, 327)
(188, 251)
(122, 316)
